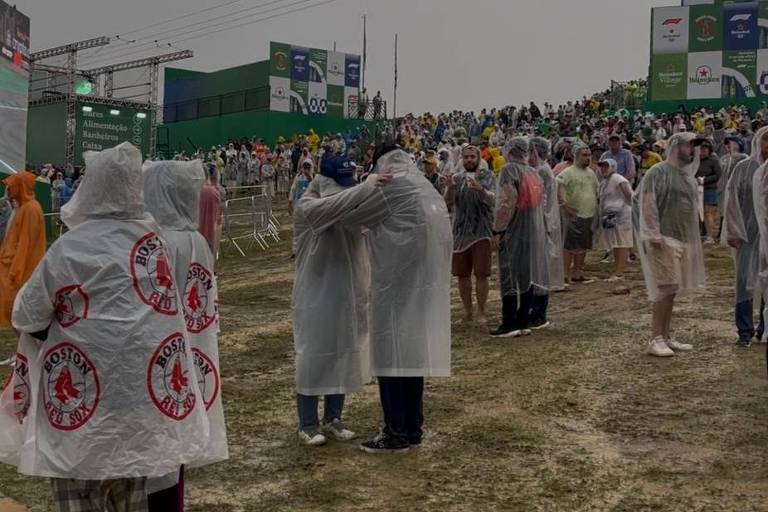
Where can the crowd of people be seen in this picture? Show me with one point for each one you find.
(381, 224)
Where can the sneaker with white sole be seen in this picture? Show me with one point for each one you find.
(506, 332)
(614, 279)
(337, 430)
(537, 325)
(658, 347)
(383, 443)
(679, 347)
(312, 438)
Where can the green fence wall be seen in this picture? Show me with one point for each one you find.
(209, 131)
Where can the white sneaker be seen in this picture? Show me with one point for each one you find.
(679, 347)
(709, 241)
(337, 430)
(614, 279)
(658, 347)
(312, 438)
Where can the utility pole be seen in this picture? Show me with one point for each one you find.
(394, 106)
(365, 48)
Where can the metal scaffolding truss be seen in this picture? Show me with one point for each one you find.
(59, 84)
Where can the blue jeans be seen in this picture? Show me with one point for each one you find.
(745, 323)
(307, 407)
(539, 306)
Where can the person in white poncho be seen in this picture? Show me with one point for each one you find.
(113, 395)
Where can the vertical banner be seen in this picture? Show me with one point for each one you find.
(762, 25)
(668, 73)
(280, 89)
(318, 65)
(670, 30)
(14, 87)
(740, 26)
(761, 73)
(280, 60)
(739, 73)
(299, 64)
(299, 93)
(704, 74)
(317, 99)
(705, 29)
(352, 73)
(336, 68)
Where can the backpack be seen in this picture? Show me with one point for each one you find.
(531, 191)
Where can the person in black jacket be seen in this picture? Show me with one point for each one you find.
(709, 175)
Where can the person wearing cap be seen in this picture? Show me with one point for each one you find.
(615, 200)
(624, 160)
(330, 300)
(708, 175)
(444, 166)
(666, 224)
(470, 194)
(577, 195)
(24, 243)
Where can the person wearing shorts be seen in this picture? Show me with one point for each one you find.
(577, 194)
(470, 195)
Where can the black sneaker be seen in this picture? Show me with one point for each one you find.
(539, 324)
(744, 343)
(383, 443)
(504, 331)
(415, 442)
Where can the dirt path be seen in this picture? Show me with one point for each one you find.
(574, 418)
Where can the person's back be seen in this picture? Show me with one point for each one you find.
(107, 296)
(23, 245)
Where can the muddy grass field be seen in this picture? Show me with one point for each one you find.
(573, 418)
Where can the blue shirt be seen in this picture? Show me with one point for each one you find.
(625, 163)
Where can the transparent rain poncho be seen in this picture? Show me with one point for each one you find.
(330, 292)
(551, 214)
(113, 389)
(520, 205)
(615, 226)
(472, 209)
(172, 196)
(760, 199)
(410, 245)
(667, 224)
(740, 222)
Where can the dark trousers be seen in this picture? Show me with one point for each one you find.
(516, 313)
(168, 500)
(539, 306)
(402, 400)
(745, 323)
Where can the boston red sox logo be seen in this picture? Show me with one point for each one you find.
(71, 389)
(207, 377)
(152, 276)
(71, 305)
(18, 384)
(168, 378)
(198, 301)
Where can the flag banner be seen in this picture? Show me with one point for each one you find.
(705, 29)
(739, 73)
(279, 94)
(740, 21)
(668, 75)
(670, 30)
(704, 74)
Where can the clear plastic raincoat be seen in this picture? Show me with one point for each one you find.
(472, 209)
(410, 249)
(667, 224)
(740, 222)
(760, 198)
(330, 292)
(172, 195)
(113, 389)
(615, 228)
(520, 205)
(551, 214)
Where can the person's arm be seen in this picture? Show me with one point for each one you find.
(488, 192)
(505, 207)
(733, 221)
(31, 225)
(650, 227)
(626, 189)
(450, 193)
(326, 212)
(715, 172)
(631, 168)
(33, 309)
(562, 194)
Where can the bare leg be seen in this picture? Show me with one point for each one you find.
(465, 290)
(578, 264)
(670, 305)
(481, 283)
(567, 262)
(620, 261)
(662, 316)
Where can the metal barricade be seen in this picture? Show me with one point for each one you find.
(250, 218)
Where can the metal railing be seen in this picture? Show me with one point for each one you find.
(367, 109)
(248, 216)
(211, 106)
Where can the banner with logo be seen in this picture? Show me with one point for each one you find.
(704, 73)
(706, 29)
(668, 76)
(670, 30)
(280, 60)
(336, 68)
(312, 81)
(318, 63)
(280, 88)
(317, 102)
(739, 73)
(740, 21)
